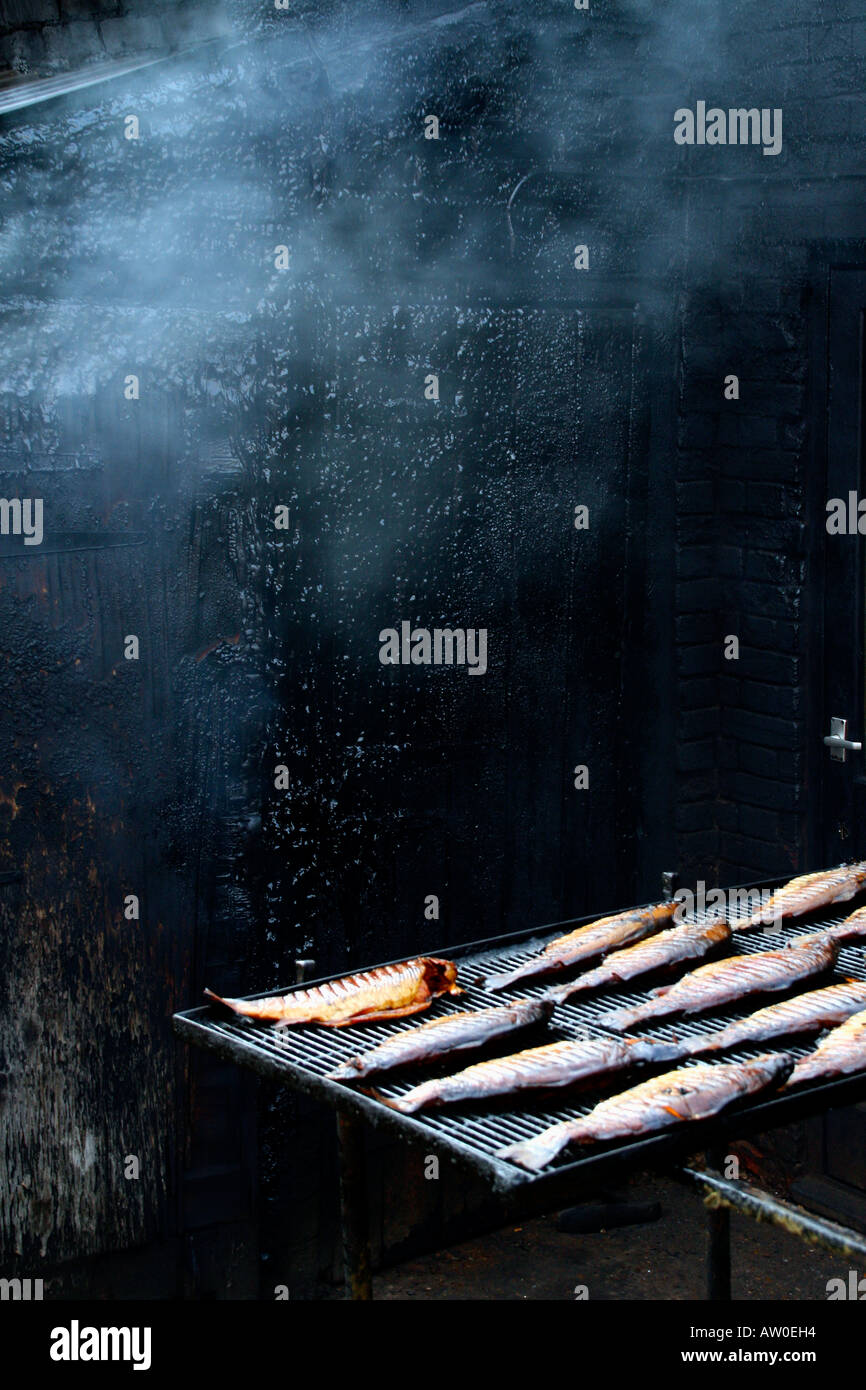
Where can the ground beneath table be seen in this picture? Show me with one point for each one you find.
(663, 1260)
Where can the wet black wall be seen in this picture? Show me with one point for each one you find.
(304, 387)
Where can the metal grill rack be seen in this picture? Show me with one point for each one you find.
(472, 1134)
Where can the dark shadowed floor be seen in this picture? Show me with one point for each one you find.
(664, 1260)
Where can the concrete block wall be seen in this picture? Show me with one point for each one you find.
(743, 512)
(742, 731)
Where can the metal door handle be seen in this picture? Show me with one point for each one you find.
(838, 742)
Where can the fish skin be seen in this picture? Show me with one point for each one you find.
(807, 893)
(725, 981)
(456, 1032)
(538, 1068)
(390, 991)
(842, 1051)
(852, 929)
(588, 942)
(810, 1012)
(690, 1093)
(688, 942)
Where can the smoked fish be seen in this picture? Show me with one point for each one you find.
(807, 893)
(853, 928)
(725, 981)
(841, 1052)
(688, 942)
(589, 942)
(805, 1013)
(539, 1068)
(691, 1093)
(391, 991)
(454, 1033)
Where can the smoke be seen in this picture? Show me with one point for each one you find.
(158, 256)
(555, 127)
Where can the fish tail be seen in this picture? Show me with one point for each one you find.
(556, 996)
(620, 1019)
(236, 1005)
(510, 977)
(346, 1072)
(404, 1104)
(696, 1046)
(762, 918)
(427, 1093)
(535, 1154)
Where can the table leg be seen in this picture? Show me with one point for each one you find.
(353, 1208)
(718, 1243)
(719, 1255)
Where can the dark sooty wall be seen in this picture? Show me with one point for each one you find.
(304, 387)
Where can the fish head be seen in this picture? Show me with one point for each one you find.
(821, 942)
(663, 912)
(776, 1067)
(656, 1050)
(717, 932)
(535, 1010)
(440, 976)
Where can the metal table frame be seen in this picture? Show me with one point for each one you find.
(722, 1196)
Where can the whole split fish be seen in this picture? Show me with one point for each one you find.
(805, 1013)
(725, 981)
(691, 1093)
(589, 942)
(807, 893)
(391, 991)
(688, 942)
(841, 1052)
(539, 1068)
(453, 1033)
